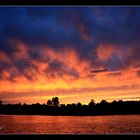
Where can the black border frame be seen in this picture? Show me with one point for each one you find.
(69, 2)
(11, 3)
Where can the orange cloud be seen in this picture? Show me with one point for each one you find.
(21, 50)
(105, 52)
(69, 58)
(4, 58)
(101, 85)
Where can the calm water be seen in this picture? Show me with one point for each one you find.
(70, 124)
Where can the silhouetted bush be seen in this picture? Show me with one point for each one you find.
(0, 102)
(55, 101)
(49, 103)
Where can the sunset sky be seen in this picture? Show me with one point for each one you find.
(74, 53)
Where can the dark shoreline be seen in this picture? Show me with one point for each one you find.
(56, 109)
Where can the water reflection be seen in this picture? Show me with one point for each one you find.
(69, 124)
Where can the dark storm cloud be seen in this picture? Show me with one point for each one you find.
(97, 71)
(50, 24)
(83, 28)
(58, 69)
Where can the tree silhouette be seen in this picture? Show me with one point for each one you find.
(49, 103)
(79, 104)
(103, 102)
(53, 108)
(114, 102)
(91, 103)
(24, 104)
(55, 101)
(120, 101)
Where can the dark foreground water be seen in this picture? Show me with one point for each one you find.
(70, 124)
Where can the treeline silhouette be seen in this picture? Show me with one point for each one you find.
(53, 107)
